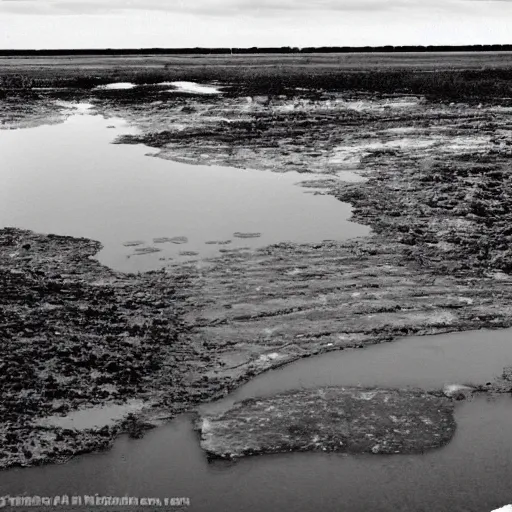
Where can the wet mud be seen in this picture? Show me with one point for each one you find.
(436, 195)
(347, 420)
(76, 337)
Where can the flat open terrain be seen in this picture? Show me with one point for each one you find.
(356, 61)
(457, 74)
(420, 147)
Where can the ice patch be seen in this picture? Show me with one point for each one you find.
(506, 508)
(192, 87)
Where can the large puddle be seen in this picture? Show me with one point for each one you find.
(69, 179)
(471, 474)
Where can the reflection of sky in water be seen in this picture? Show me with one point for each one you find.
(427, 362)
(68, 179)
(471, 474)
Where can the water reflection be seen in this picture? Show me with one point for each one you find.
(68, 179)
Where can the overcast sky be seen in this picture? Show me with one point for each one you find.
(190, 23)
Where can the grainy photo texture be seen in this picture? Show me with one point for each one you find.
(256, 255)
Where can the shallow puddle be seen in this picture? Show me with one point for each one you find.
(193, 88)
(428, 362)
(69, 179)
(471, 474)
(93, 417)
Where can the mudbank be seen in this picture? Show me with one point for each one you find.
(80, 337)
(88, 353)
(77, 336)
(267, 307)
(350, 420)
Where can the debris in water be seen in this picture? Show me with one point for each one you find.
(146, 250)
(218, 242)
(246, 235)
(189, 253)
(134, 243)
(173, 240)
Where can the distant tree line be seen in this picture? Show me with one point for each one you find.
(256, 50)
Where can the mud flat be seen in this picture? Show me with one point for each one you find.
(271, 306)
(330, 419)
(79, 337)
(436, 196)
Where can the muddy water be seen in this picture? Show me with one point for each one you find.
(69, 179)
(471, 474)
(427, 362)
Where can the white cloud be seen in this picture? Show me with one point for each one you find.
(210, 23)
(218, 7)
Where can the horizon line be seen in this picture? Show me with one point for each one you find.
(268, 49)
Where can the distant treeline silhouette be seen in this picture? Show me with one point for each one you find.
(256, 50)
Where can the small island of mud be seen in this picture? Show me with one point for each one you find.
(348, 420)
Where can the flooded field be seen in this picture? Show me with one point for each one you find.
(238, 190)
(69, 179)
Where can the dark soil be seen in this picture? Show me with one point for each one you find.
(75, 335)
